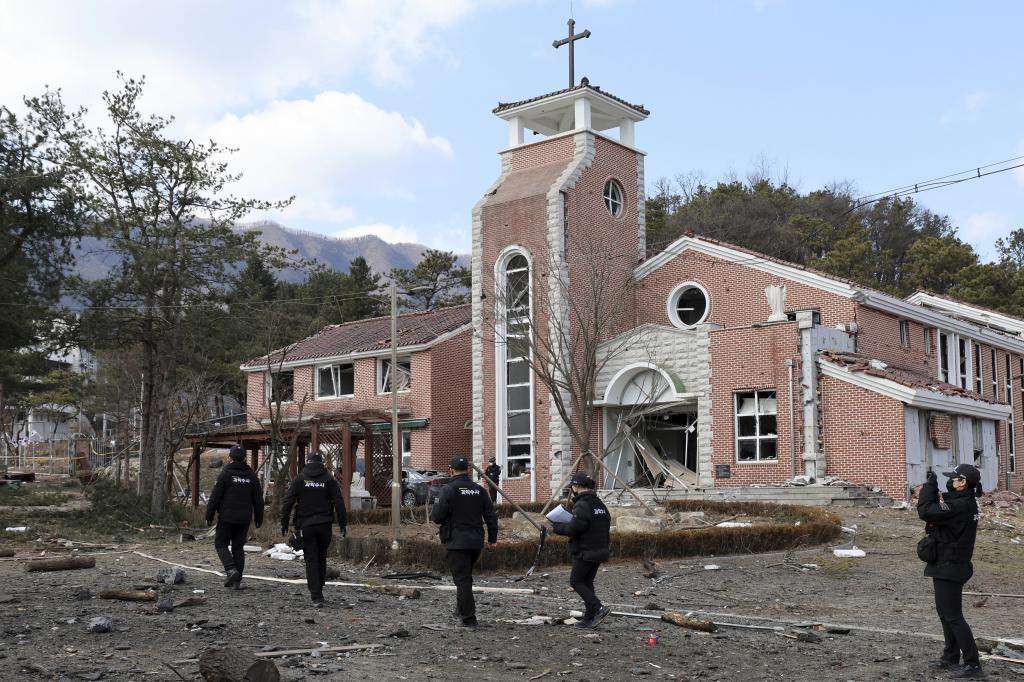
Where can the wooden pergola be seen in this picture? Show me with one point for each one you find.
(340, 430)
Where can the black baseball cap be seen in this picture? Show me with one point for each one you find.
(582, 480)
(459, 463)
(237, 453)
(315, 456)
(968, 471)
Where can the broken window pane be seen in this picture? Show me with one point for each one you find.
(747, 426)
(518, 424)
(345, 379)
(768, 426)
(519, 398)
(518, 373)
(745, 403)
(766, 402)
(769, 448)
(747, 450)
(325, 382)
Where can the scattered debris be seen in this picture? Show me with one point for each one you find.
(406, 592)
(230, 664)
(850, 552)
(734, 524)
(712, 567)
(171, 575)
(283, 552)
(216, 463)
(253, 549)
(16, 529)
(100, 624)
(186, 537)
(650, 569)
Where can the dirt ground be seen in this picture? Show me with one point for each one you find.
(883, 597)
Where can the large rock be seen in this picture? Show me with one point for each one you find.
(639, 524)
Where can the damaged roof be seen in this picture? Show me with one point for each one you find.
(369, 336)
(855, 362)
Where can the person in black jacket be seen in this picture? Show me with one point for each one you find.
(952, 523)
(493, 473)
(588, 544)
(462, 510)
(317, 500)
(237, 499)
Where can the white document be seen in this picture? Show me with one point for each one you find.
(560, 515)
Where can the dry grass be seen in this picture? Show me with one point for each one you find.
(816, 526)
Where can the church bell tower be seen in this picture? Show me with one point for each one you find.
(571, 182)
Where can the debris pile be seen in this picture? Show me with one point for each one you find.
(283, 552)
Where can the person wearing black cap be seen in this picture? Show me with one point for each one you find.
(317, 500)
(588, 544)
(952, 524)
(462, 510)
(237, 499)
(493, 472)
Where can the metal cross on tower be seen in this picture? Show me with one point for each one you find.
(570, 41)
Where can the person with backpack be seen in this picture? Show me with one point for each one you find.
(951, 527)
(236, 500)
(316, 498)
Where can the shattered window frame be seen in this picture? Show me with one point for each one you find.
(404, 375)
(765, 404)
(276, 389)
(334, 374)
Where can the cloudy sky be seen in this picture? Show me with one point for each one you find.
(376, 113)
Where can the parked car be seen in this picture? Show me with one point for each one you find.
(421, 485)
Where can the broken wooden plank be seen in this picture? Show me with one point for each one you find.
(127, 595)
(995, 594)
(65, 564)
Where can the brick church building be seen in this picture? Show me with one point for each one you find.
(731, 368)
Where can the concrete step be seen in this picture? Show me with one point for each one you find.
(849, 496)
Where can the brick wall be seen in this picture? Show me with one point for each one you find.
(451, 403)
(747, 359)
(864, 437)
(736, 292)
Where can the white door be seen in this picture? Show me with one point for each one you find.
(989, 456)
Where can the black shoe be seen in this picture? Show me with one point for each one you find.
(584, 623)
(318, 602)
(469, 622)
(943, 664)
(601, 614)
(233, 578)
(969, 671)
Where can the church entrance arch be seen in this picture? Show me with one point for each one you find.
(650, 427)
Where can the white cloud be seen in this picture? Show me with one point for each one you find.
(981, 230)
(202, 58)
(975, 101)
(331, 152)
(389, 233)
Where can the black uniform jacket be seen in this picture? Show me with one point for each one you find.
(237, 496)
(316, 497)
(493, 472)
(588, 530)
(462, 510)
(953, 522)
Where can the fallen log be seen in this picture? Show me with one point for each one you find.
(407, 592)
(235, 665)
(65, 564)
(190, 601)
(688, 622)
(127, 595)
(6, 552)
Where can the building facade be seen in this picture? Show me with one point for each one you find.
(723, 367)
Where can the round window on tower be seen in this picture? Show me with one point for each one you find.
(613, 197)
(688, 305)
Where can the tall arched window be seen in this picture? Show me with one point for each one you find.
(514, 390)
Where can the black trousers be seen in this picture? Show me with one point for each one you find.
(461, 562)
(955, 630)
(315, 541)
(493, 492)
(233, 535)
(581, 579)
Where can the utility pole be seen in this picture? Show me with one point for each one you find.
(396, 445)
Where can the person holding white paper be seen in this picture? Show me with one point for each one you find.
(588, 531)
